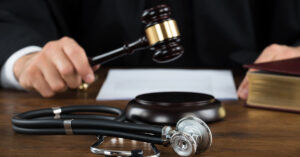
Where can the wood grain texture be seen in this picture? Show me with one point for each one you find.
(244, 132)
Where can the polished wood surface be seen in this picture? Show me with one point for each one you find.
(244, 132)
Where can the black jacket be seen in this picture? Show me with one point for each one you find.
(214, 33)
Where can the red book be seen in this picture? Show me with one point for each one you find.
(288, 66)
(276, 85)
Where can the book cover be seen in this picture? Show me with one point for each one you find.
(273, 77)
(288, 66)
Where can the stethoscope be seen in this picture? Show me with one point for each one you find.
(191, 136)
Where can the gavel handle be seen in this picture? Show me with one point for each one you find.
(141, 43)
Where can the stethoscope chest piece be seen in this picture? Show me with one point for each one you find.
(193, 137)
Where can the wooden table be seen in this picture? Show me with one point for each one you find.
(244, 132)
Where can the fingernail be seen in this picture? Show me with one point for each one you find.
(89, 78)
(96, 67)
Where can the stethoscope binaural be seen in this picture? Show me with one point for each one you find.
(191, 136)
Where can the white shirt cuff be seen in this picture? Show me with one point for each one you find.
(8, 79)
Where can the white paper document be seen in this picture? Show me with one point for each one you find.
(126, 84)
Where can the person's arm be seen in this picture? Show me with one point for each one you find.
(8, 79)
(60, 64)
(283, 27)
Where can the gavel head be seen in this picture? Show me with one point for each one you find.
(162, 34)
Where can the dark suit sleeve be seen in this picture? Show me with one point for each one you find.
(285, 22)
(24, 23)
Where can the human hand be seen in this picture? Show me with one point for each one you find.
(270, 53)
(61, 64)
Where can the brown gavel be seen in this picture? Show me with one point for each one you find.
(161, 36)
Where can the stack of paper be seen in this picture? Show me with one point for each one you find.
(126, 84)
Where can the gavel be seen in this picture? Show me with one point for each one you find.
(161, 36)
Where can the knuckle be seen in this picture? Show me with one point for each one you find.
(31, 77)
(31, 71)
(73, 51)
(273, 47)
(38, 59)
(66, 70)
(66, 38)
(50, 45)
(58, 86)
(50, 48)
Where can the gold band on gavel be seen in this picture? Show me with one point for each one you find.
(161, 31)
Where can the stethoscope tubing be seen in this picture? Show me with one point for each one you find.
(42, 122)
(55, 131)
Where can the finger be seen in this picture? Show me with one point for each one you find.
(243, 89)
(287, 53)
(78, 57)
(25, 83)
(40, 85)
(65, 68)
(52, 76)
(73, 81)
(271, 53)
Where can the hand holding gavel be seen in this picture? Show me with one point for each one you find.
(63, 63)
